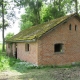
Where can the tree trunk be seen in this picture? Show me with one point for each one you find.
(76, 6)
(59, 5)
(3, 45)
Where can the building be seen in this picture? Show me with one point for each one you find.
(56, 42)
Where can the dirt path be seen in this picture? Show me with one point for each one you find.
(43, 74)
(7, 75)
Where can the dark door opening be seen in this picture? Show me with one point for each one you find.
(16, 51)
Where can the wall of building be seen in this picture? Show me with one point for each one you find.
(29, 56)
(8, 49)
(70, 40)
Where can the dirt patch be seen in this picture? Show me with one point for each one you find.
(67, 74)
(5, 75)
(43, 74)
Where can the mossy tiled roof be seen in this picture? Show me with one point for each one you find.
(35, 32)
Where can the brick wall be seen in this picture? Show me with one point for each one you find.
(70, 40)
(42, 51)
(29, 56)
(8, 50)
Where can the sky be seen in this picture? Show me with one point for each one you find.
(14, 28)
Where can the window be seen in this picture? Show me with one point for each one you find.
(75, 27)
(26, 47)
(70, 27)
(58, 47)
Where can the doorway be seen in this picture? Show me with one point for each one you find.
(15, 50)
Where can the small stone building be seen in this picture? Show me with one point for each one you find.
(56, 42)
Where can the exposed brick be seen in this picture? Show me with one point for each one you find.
(70, 40)
(42, 51)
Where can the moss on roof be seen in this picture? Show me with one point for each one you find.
(35, 32)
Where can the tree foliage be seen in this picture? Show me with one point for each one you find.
(9, 35)
(25, 25)
(32, 14)
(5, 25)
(50, 12)
(39, 11)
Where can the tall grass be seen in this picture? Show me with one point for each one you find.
(0, 46)
(10, 63)
(6, 62)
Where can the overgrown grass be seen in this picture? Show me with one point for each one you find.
(6, 62)
(0, 46)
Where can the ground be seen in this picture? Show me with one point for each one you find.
(43, 74)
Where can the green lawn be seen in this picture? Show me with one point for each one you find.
(6, 62)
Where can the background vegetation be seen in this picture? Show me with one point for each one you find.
(40, 11)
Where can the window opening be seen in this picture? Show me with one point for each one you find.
(58, 47)
(70, 27)
(75, 27)
(26, 47)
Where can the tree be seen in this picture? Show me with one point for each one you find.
(32, 13)
(72, 6)
(3, 46)
(52, 11)
(25, 25)
(76, 6)
(59, 5)
(9, 35)
(35, 8)
(4, 9)
(36, 13)
(5, 25)
(39, 11)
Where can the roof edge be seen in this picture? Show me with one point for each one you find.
(21, 41)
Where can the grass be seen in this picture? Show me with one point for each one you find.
(5, 61)
(0, 46)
